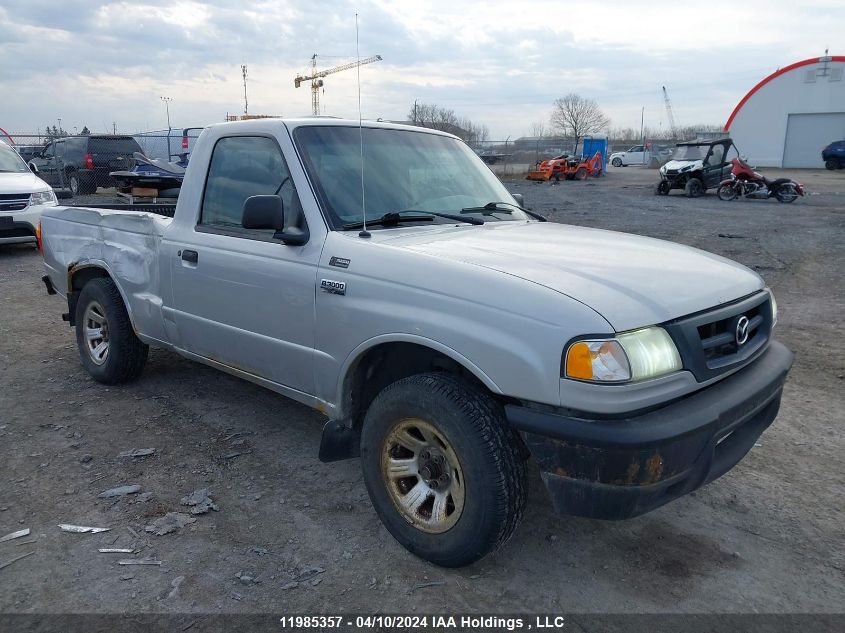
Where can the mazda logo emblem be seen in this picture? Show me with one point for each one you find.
(741, 333)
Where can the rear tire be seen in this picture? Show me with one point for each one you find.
(436, 418)
(786, 194)
(581, 173)
(108, 347)
(694, 188)
(74, 184)
(727, 193)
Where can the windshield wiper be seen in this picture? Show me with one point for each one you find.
(394, 218)
(491, 207)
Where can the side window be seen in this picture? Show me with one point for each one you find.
(717, 154)
(244, 166)
(49, 151)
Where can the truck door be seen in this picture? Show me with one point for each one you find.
(240, 297)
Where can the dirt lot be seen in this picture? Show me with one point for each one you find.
(295, 535)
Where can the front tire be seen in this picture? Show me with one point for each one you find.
(832, 163)
(108, 347)
(662, 188)
(727, 193)
(442, 468)
(616, 162)
(694, 188)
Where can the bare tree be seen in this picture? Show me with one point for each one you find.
(433, 116)
(538, 130)
(577, 116)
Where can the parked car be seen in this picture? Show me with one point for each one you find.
(23, 196)
(83, 163)
(834, 155)
(28, 152)
(634, 156)
(446, 332)
(697, 166)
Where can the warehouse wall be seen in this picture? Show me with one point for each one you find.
(759, 126)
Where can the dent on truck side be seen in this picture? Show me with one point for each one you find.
(123, 245)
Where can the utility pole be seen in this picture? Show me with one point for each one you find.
(642, 126)
(642, 131)
(60, 125)
(167, 101)
(114, 127)
(246, 103)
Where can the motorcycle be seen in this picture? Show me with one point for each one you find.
(746, 182)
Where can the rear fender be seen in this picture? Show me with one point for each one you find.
(91, 269)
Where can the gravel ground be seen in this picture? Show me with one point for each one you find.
(295, 535)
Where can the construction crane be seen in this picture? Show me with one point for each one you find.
(670, 114)
(316, 78)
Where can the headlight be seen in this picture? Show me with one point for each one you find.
(774, 307)
(43, 198)
(631, 356)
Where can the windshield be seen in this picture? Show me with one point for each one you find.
(690, 152)
(10, 161)
(403, 170)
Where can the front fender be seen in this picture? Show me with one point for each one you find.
(399, 337)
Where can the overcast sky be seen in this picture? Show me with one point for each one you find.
(500, 63)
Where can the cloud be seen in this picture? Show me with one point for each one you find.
(499, 63)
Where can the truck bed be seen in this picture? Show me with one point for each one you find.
(124, 243)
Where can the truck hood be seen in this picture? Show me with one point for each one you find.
(632, 281)
(25, 182)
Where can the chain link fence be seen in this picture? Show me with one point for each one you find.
(87, 167)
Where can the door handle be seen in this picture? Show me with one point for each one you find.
(190, 256)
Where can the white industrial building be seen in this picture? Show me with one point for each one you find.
(787, 118)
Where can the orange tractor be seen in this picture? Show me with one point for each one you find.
(566, 167)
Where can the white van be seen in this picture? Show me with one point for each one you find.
(23, 195)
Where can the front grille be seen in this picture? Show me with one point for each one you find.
(709, 342)
(672, 171)
(13, 201)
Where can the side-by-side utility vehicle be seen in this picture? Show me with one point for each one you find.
(447, 341)
(697, 166)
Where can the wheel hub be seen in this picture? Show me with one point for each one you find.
(423, 476)
(96, 331)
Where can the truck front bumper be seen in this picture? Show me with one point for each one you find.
(621, 468)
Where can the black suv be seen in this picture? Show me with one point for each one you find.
(83, 163)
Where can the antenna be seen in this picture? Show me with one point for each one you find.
(364, 232)
(246, 103)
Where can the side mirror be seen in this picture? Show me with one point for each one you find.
(33, 168)
(263, 212)
(268, 212)
(520, 199)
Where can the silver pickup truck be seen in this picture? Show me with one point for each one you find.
(447, 341)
